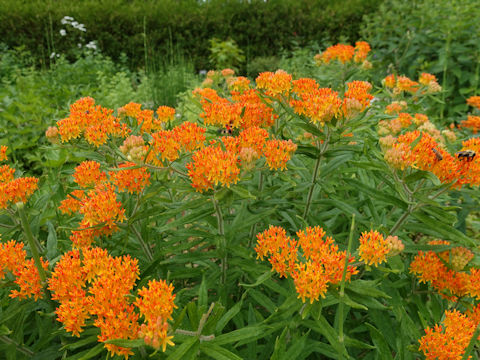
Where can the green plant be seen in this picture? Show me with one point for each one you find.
(225, 54)
(440, 37)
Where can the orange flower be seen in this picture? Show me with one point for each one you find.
(255, 111)
(211, 165)
(12, 255)
(405, 84)
(449, 341)
(341, 52)
(362, 48)
(16, 190)
(156, 304)
(472, 122)
(131, 109)
(6, 174)
(88, 174)
(430, 267)
(324, 263)
(395, 107)
(28, 279)
(238, 84)
(474, 101)
(165, 146)
(275, 84)
(320, 106)
(426, 79)
(390, 81)
(107, 296)
(420, 119)
(72, 203)
(373, 248)
(164, 113)
(190, 136)
(280, 248)
(145, 121)
(227, 72)
(253, 137)
(131, 180)
(101, 207)
(304, 85)
(278, 152)
(3, 153)
(358, 90)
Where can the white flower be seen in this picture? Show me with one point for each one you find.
(66, 20)
(74, 24)
(79, 45)
(63, 32)
(202, 72)
(52, 55)
(81, 27)
(91, 45)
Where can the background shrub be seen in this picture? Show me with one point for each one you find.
(259, 28)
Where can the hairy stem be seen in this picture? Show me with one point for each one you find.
(18, 347)
(221, 232)
(143, 244)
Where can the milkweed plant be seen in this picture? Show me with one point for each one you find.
(275, 218)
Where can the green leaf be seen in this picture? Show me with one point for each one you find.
(217, 352)
(88, 354)
(51, 241)
(186, 350)
(383, 349)
(260, 280)
(202, 293)
(246, 333)
(366, 287)
(234, 310)
(242, 192)
(126, 343)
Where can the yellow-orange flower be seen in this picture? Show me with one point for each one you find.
(164, 113)
(472, 122)
(474, 101)
(131, 180)
(73, 202)
(373, 249)
(88, 174)
(341, 52)
(278, 152)
(274, 84)
(362, 48)
(28, 279)
(320, 105)
(12, 255)
(3, 153)
(448, 341)
(156, 304)
(212, 165)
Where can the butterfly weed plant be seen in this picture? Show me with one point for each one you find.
(321, 224)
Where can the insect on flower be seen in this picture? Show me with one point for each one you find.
(468, 155)
(437, 154)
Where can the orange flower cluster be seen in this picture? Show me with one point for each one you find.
(321, 105)
(472, 122)
(238, 84)
(95, 284)
(444, 271)
(374, 248)
(255, 111)
(3, 153)
(13, 259)
(323, 263)
(95, 123)
(448, 341)
(395, 107)
(275, 84)
(156, 304)
(474, 101)
(344, 53)
(218, 110)
(88, 174)
(401, 84)
(145, 118)
(429, 155)
(14, 190)
(131, 180)
(167, 144)
(213, 165)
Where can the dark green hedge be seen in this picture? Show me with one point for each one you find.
(261, 28)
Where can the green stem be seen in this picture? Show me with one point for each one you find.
(322, 150)
(401, 220)
(470, 346)
(31, 241)
(145, 247)
(254, 226)
(341, 337)
(221, 232)
(18, 347)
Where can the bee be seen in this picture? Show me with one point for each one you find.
(437, 154)
(227, 130)
(468, 155)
